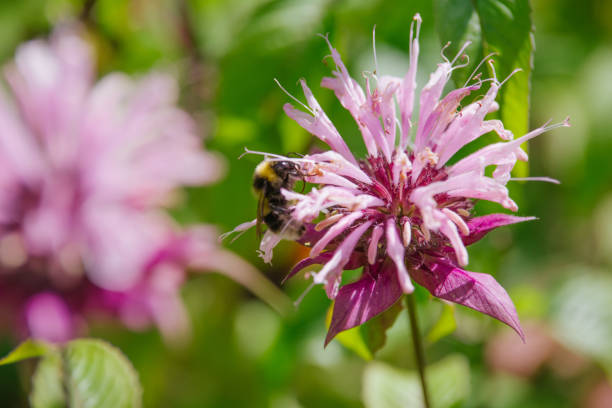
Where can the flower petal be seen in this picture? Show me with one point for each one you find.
(478, 291)
(480, 226)
(330, 273)
(396, 251)
(334, 231)
(358, 302)
(408, 87)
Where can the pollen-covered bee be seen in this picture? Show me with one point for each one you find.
(272, 207)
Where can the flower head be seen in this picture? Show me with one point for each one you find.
(86, 170)
(402, 212)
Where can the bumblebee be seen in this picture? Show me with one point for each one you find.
(272, 207)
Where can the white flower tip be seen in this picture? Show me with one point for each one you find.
(510, 204)
(320, 277)
(462, 258)
(408, 290)
(405, 282)
(417, 18)
(407, 233)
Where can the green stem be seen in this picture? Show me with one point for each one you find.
(418, 347)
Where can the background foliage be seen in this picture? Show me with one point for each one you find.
(558, 270)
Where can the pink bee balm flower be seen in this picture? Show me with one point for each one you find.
(86, 170)
(402, 213)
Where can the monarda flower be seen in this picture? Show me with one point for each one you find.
(86, 171)
(402, 213)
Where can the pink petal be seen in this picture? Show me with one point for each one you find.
(330, 273)
(373, 246)
(430, 95)
(480, 226)
(306, 262)
(396, 251)
(355, 261)
(445, 111)
(503, 155)
(351, 96)
(389, 86)
(334, 231)
(319, 124)
(478, 291)
(467, 126)
(408, 87)
(356, 303)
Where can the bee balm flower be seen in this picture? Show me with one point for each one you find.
(402, 213)
(86, 171)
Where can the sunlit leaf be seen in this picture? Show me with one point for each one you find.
(376, 329)
(445, 325)
(388, 387)
(503, 27)
(352, 339)
(86, 373)
(47, 387)
(28, 349)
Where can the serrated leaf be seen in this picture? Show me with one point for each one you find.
(352, 339)
(86, 373)
(445, 325)
(376, 329)
(388, 387)
(28, 349)
(503, 27)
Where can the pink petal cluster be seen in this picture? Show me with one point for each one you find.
(402, 212)
(86, 169)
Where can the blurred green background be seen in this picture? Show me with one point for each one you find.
(558, 270)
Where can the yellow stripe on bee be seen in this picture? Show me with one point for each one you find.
(265, 170)
(266, 208)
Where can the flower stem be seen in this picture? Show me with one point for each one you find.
(418, 346)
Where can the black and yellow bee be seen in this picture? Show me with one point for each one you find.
(273, 208)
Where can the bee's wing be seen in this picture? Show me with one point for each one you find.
(260, 208)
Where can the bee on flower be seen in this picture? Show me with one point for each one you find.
(402, 212)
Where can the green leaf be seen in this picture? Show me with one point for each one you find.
(28, 349)
(47, 387)
(352, 339)
(445, 325)
(503, 27)
(376, 328)
(388, 387)
(86, 373)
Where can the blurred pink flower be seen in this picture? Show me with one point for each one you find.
(86, 169)
(402, 213)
